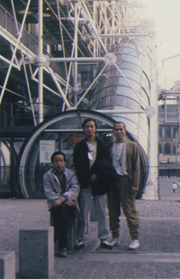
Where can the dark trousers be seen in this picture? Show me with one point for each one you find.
(62, 217)
(121, 196)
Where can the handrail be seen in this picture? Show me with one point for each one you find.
(30, 42)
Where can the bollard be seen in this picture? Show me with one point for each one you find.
(36, 253)
(7, 265)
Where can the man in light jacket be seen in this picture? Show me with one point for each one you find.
(125, 159)
(61, 188)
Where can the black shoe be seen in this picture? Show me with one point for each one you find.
(79, 245)
(105, 244)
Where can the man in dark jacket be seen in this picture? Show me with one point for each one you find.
(86, 152)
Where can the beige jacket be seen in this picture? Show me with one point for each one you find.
(132, 162)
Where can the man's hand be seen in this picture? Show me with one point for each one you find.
(93, 178)
(57, 203)
(70, 203)
(134, 190)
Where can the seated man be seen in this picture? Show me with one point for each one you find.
(61, 189)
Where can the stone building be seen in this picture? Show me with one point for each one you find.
(168, 133)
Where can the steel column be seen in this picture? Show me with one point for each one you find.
(40, 53)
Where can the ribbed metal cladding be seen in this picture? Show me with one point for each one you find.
(113, 92)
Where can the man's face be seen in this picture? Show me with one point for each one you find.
(90, 129)
(119, 131)
(59, 163)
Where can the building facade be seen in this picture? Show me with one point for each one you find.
(56, 55)
(168, 133)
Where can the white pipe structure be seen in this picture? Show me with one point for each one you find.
(40, 60)
(97, 25)
(108, 111)
(96, 29)
(128, 35)
(14, 53)
(171, 57)
(58, 87)
(81, 99)
(78, 59)
(75, 81)
(24, 66)
(61, 32)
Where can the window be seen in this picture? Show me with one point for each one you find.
(160, 148)
(168, 132)
(167, 148)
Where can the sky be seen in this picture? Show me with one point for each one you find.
(166, 15)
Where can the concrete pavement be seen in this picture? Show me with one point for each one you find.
(158, 256)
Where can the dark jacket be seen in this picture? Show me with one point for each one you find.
(81, 161)
(107, 176)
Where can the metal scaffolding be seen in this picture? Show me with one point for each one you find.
(97, 24)
(81, 35)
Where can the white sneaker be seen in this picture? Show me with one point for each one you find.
(115, 241)
(134, 244)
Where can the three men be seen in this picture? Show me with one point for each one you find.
(61, 189)
(125, 159)
(86, 152)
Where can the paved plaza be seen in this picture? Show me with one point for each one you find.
(158, 256)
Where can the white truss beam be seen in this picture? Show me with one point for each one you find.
(104, 24)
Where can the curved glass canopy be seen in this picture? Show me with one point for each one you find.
(61, 133)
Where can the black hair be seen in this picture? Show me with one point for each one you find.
(57, 153)
(119, 123)
(87, 120)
